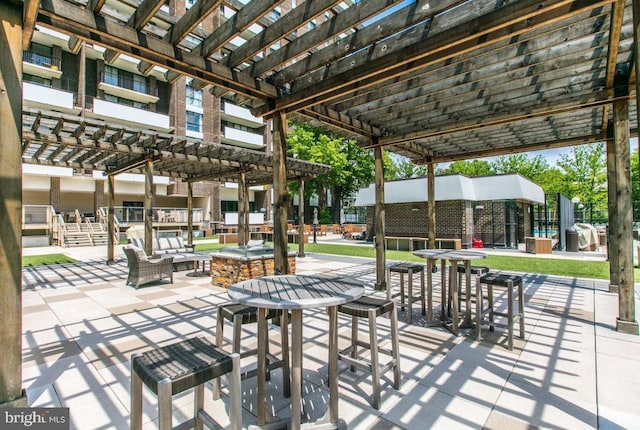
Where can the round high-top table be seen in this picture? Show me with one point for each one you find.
(296, 293)
(454, 257)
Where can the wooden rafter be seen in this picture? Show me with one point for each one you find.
(504, 23)
(412, 14)
(118, 37)
(235, 25)
(298, 17)
(191, 19)
(338, 24)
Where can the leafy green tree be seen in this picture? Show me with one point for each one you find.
(390, 167)
(352, 166)
(407, 169)
(532, 168)
(468, 168)
(585, 175)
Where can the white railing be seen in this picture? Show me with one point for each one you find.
(37, 215)
(132, 215)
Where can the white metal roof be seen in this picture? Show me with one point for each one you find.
(456, 187)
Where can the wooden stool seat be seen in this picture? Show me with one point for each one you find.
(172, 369)
(371, 308)
(240, 314)
(509, 282)
(409, 269)
(462, 294)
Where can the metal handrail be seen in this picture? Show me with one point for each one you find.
(166, 215)
(41, 60)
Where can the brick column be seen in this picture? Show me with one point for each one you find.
(98, 196)
(54, 192)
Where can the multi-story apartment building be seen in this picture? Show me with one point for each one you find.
(64, 75)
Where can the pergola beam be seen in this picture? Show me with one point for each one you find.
(406, 17)
(337, 24)
(340, 120)
(235, 25)
(30, 13)
(296, 18)
(528, 59)
(504, 23)
(81, 23)
(191, 19)
(512, 116)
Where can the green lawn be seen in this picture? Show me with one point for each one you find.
(563, 267)
(45, 260)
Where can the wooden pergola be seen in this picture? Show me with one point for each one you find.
(434, 81)
(55, 139)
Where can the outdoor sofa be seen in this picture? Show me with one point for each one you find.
(182, 253)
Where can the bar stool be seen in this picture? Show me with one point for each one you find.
(409, 269)
(476, 271)
(172, 369)
(240, 314)
(371, 308)
(509, 282)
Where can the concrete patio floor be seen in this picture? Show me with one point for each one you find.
(81, 324)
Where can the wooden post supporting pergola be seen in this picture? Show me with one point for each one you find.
(111, 220)
(300, 218)
(623, 243)
(148, 206)
(190, 213)
(11, 392)
(612, 208)
(431, 203)
(242, 197)
(381, 258)
(280, 193)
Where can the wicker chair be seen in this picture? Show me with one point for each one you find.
(143, 270)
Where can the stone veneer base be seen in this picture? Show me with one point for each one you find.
(227, 269)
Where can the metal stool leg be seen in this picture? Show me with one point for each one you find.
(430, 290)
(521, 308)
(198, 405)
(422, 293)
(354, 340)
(510, 313)
(136, 398)
(286, 367)
(395, 348)
(235, 394)
(164, 405)
(410, 295)
(219, 342)
(375, 362)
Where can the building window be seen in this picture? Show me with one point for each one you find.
(194, 97)
(275, 14)
(37, 80)
(126, 102)
(194, 121)
(238, 127)
(189, 3)
(124, 79)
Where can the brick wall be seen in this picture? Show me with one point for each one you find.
(99, 196)
(454, 219)
(54, 192)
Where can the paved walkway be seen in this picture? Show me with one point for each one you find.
(81, 324)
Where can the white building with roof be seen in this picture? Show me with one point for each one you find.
(500, 210)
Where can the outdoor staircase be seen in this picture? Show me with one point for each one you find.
(76, 235)
(87, 233)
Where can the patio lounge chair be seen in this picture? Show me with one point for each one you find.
(143, 270)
